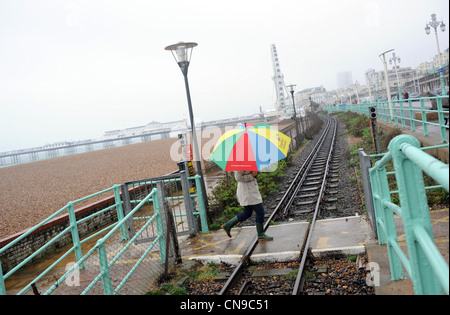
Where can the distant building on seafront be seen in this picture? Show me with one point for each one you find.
(344, 79)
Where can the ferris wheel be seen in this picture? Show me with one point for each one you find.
(278, 79)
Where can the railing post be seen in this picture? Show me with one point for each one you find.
(126, 206)
(385, 219)
(411, 116)
(2, 281)
(75, 235)
(415, 212)
(158, 206)
(424, 117)
(201, 205)
(120, 215)
(401, 113)
(441, 119)
(385, 110)
(395, 113)
(104, 269)
(377, 205)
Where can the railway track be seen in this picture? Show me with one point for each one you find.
(310, 192)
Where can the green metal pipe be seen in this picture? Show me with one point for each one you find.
(430, 165)
(435, 258)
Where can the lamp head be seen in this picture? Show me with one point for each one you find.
(182, 53)
(291, 88)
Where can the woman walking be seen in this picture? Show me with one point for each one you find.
(249, 197)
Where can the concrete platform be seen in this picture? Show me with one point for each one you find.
(331, 237)
(288, 242)
(433, 138)
(341, 236)
(378, 254)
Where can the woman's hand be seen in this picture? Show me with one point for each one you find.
(254, 173)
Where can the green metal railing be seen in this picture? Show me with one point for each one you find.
(72, 228)
(105, 266)
(396, 114)
(189, 212)
(426, 267)
(98, 255)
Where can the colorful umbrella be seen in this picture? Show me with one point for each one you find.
(250, 148)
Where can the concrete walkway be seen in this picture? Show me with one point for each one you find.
(332, 237)
(378, 254)
(433, 138)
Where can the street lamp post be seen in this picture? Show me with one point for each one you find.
(377, 83)
(369, 78)
(357, 94)
(182, 55)
(395, 59)
(434, 24)
(291, 89)
(386, 78)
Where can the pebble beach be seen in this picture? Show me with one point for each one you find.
(31, 192)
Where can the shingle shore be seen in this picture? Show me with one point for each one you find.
(31, 192)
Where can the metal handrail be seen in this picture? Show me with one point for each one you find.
(73, 228)
(384, 113)
(119, 226)
(427, 268)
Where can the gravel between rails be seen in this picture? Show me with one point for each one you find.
(31, 192)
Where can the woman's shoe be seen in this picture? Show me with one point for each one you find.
(229, 225)
(261, 236)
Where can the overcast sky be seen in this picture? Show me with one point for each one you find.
(71, 70)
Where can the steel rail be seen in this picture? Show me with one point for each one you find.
(288, 197)
(303, 172)
(298, 286)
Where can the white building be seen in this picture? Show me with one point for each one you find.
(148, 128)
(425, 67)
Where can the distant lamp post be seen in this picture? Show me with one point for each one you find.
(386, 79)
(369, 78)
(395, 59)
(182, 53)
(434, 24)
(357, 94)
(292, 89)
